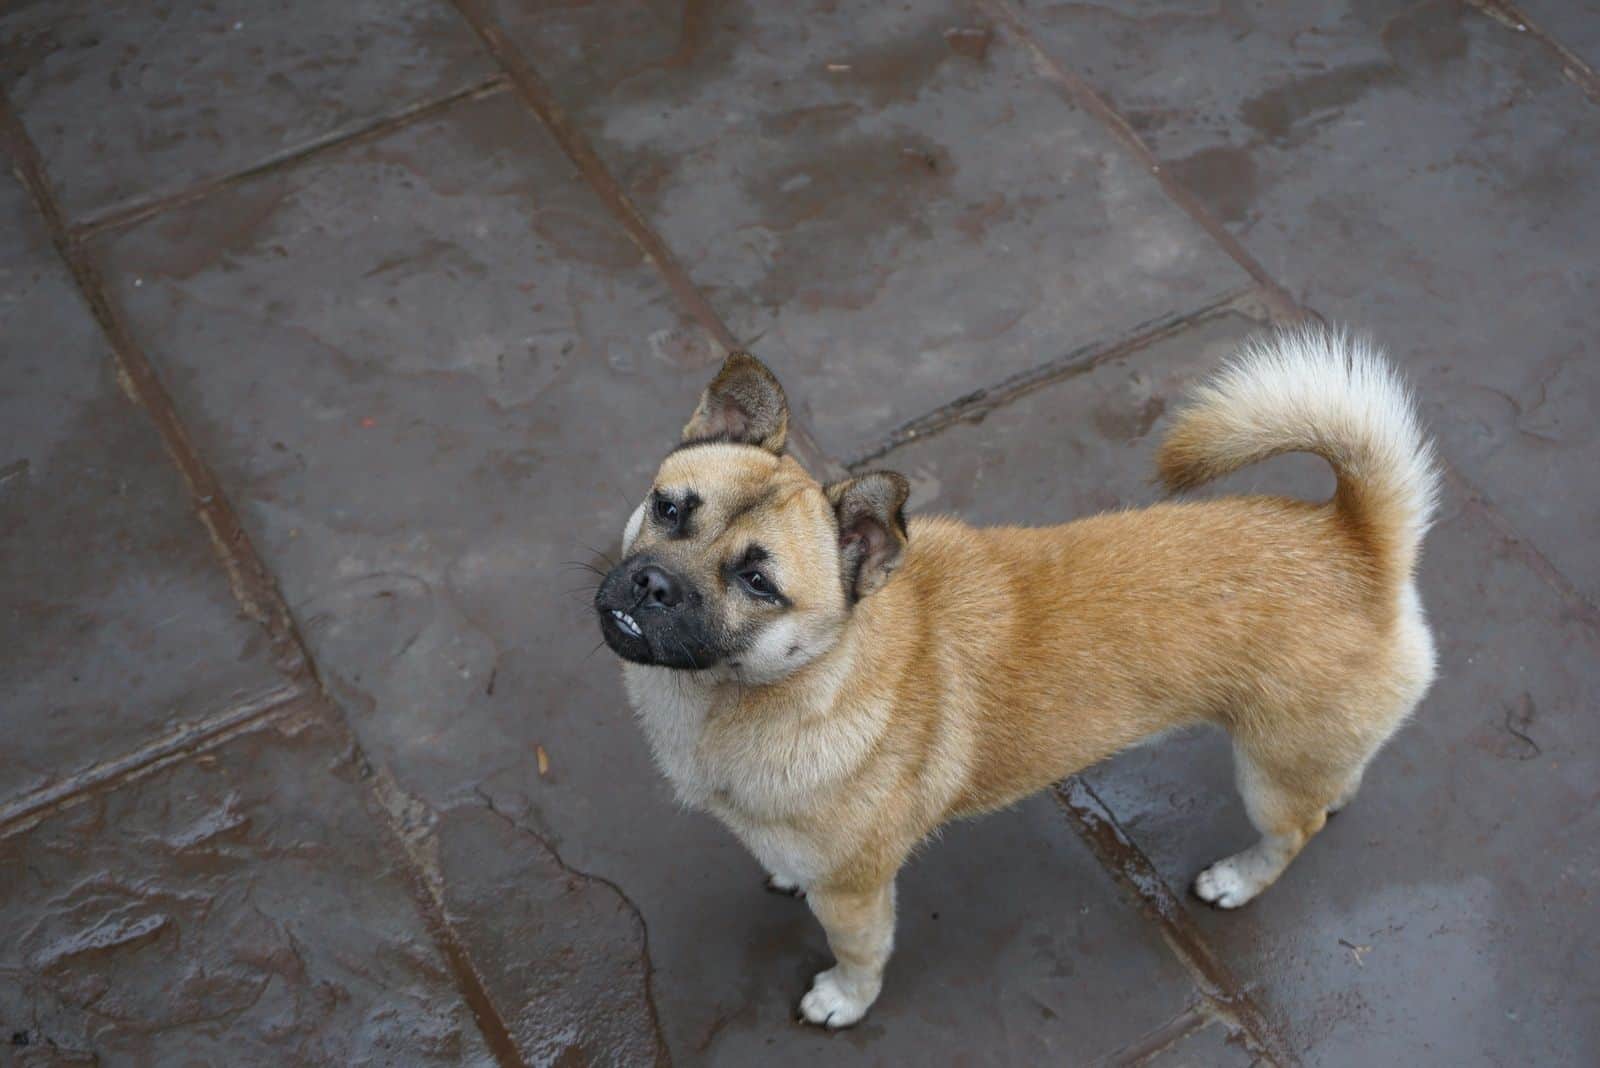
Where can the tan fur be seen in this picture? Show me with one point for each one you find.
(996, 661)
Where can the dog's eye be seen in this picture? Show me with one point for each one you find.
(757, 582)
(666, 511)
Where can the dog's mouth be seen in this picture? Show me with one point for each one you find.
(661, 648)
(673, 636)
(624, 634)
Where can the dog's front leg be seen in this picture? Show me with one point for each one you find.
(860, 926)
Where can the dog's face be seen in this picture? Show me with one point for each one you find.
(738, 561)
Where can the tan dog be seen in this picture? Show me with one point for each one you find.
(833, 683)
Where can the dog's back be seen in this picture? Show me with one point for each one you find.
(1296, 626)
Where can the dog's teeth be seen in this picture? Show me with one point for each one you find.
(626, 622)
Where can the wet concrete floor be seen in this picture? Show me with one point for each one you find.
(335, 338)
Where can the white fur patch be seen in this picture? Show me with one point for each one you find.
(783, 647)
(672, 707)
(1234, 881)
(783, 884)
(1226, 884)
(1312, 389)
(631, 531)
(833, 1002)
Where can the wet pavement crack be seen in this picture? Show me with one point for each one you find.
(545, 845)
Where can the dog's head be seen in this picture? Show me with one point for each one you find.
(738, 559)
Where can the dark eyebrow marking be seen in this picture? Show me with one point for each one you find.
(684, 495)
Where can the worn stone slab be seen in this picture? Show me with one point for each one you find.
(447, 378)
(420, 363)
(882, 198)
(132, 100)
(116, 622)
(1442, 918)
(1418, 169)
(236, 908)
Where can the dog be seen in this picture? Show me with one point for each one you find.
(833, 682)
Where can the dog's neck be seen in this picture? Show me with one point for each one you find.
(721, 690)
(683, 711)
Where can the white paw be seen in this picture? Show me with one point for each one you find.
(831, 1005)
(1225, 885)
(779, 885)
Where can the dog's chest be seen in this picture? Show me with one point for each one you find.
(731, 766)
(673, 714)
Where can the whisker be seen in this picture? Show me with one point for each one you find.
(631, 505)
(603, 555)
(684, 649)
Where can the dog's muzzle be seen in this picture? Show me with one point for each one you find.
(649, 615)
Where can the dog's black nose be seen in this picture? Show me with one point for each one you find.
(658, 587)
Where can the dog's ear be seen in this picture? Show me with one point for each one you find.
(743, 404)
(872, 529)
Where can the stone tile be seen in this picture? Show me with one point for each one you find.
(131, 100)
(1442, 917)
(427, 366)
(236, 908)
(116, 621)
(1417, 169)
(472, 377)
(465, 398)
(889, 202)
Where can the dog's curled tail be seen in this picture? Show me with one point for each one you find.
(1312, 389)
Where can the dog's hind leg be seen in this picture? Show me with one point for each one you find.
(1352, 786)
(1311, 764)
(1288, 808)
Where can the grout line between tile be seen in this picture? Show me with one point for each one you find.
(23, 812)
(1153, 1043)
(1573, 66)
(1128, 864)
(131, 213)
(1084, 358)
